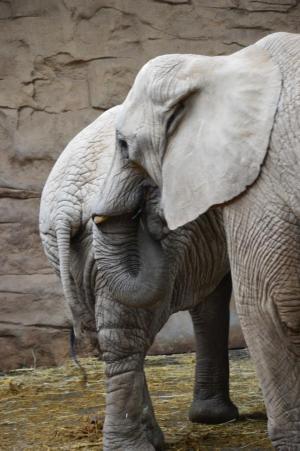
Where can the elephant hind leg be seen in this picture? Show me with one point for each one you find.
(264, 252)
(211, 403)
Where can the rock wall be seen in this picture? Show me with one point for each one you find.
(63, 62)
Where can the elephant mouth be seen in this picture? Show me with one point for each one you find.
(156, 225)
(100, 218)
(118, 228)
(127, 207)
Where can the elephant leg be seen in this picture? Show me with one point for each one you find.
(123, 335)
(264, 251)
(153, 431)
(211, 403)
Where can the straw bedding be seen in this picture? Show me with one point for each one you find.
(47, 409)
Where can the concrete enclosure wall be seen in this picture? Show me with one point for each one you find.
(63, 62)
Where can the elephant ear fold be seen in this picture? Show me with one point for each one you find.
(217, 149)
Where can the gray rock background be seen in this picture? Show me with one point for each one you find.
(63, 62)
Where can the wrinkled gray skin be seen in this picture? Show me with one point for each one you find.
(188, 271)
(263, 223)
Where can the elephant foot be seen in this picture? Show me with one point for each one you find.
(145, 437)
(285, 436)
(140, 447)
(127, 445)
(212, 411)
(152, 430)
(156, 437)
(287, 448)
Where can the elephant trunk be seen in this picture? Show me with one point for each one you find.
(132, 263)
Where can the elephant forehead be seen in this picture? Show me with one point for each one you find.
(135, 117)
(157, 77)
(127, 120)
(162, 79)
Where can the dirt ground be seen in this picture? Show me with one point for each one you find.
(52, 409)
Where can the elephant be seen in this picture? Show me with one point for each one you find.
(121, 286)
(222, 134)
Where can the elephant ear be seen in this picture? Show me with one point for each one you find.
(217, 149)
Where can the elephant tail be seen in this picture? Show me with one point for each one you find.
(63, 235)
(75, 358)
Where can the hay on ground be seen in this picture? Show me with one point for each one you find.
(49, 409)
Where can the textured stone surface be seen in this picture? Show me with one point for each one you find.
(62, 63)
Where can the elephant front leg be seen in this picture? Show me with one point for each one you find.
(123, 428)
(211, 403)
(130, 424)
(153, 431)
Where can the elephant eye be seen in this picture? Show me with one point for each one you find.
(174, 118)
(124, 149)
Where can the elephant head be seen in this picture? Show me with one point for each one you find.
(126, 235)
(200, 126)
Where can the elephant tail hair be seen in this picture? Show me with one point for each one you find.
(74, 357)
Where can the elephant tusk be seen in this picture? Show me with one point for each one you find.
(100, 219)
